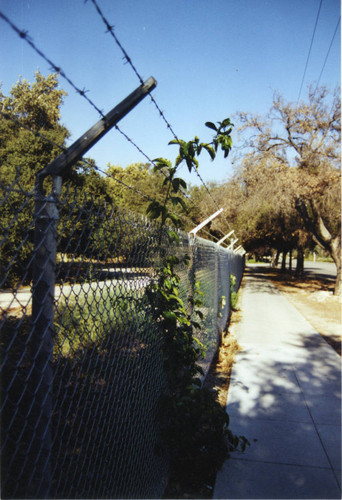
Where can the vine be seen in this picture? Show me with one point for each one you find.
(195, 426)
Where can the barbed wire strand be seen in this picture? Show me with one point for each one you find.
(93, 165)
(82, 92)
(25, 36)
(110, 30)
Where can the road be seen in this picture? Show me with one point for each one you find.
(22, 299)
(321, 269)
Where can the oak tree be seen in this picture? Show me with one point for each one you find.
(306, 139)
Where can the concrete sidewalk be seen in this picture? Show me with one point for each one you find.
(285, 398)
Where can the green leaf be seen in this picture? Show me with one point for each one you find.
(173, 218)
(169, 315)
(210, 150)
(160, 163)
(196, 325)
(154, 209)
(199, 314)
(182, 183)
(211, 125)
(179, 160)
(175, 141)
(173, 236)
(175, 200)
(226, 122)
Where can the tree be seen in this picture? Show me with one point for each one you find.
(257, 203)
(35, 106)
(306, 138)
(140, 177)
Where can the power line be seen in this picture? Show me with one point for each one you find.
(308, 57)
(326, 57)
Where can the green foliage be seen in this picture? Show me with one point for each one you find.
(233, 294)
(222, 137)
(89, 317)
(22, 155)
(222, 305)
(142, 177)
(195, 426)
(187, 153)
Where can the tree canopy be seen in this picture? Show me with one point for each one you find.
(285, 193)
(287, 184)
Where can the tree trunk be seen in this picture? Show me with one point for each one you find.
(336, 255)
(314, 223)
(290, 263)
(283, 262)
(274, 258)
(300, 262)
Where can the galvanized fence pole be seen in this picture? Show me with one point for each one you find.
(43, 288)
(43, 293)
(217, 287)
(191, 274)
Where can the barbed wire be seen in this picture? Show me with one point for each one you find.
(82, 92)
(110, 30)
(25, 36)
(94, 165)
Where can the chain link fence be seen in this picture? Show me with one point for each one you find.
(81, 363)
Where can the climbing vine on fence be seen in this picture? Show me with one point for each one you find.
(195, 426)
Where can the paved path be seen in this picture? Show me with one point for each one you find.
(285, 397)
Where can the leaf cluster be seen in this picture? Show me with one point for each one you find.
(188, 152)
(195, 426)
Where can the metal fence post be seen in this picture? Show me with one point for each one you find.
(217, 287)
(191, 274)
(43, 291)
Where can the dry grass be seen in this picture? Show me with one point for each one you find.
(218, 378)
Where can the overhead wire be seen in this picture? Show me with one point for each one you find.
(309, 53)
(328, 52)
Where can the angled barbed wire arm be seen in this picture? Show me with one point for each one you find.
(74, 152)
(225, 237)
(204, 223)
(231, 246)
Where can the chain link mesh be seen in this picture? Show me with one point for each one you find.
(81, 365)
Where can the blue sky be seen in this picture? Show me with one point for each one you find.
(211, 58)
